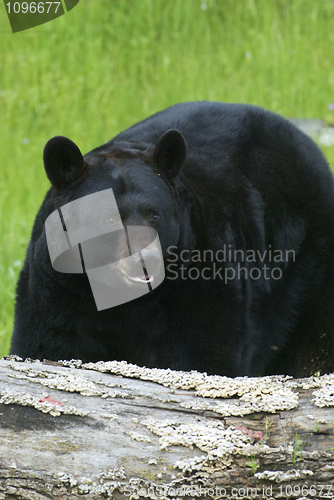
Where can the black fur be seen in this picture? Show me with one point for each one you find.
(219, 176)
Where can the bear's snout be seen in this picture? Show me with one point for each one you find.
(145, 264)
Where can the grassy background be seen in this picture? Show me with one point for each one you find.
(109, 63)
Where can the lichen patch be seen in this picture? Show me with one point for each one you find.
(25, 399)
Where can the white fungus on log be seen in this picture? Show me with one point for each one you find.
(25, 399)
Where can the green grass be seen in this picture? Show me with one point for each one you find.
(109, 63)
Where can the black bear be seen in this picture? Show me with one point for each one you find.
(243, 206)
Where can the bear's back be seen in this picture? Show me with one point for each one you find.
(231, 136)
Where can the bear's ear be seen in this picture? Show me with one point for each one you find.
(170, 153)
(63, 161)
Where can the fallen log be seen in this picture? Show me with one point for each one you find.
(115, 430)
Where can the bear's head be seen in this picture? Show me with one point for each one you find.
(116, 210)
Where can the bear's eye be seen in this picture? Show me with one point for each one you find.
(111, 221)
(155, 218)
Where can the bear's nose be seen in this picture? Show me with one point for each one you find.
(151, 257)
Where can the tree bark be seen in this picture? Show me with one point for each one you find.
(112, 430)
